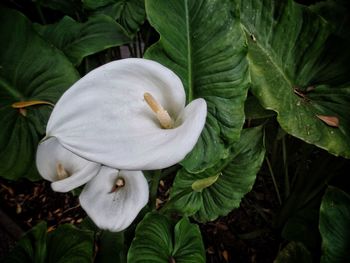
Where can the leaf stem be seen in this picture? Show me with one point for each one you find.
(154, 188)
(86, 65)
(274, 180)
(134, 46)
(285, 165)
(131, 50)
(139, 44)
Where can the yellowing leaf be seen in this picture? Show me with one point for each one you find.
(332, 121)
(24, 104)
(200, 184)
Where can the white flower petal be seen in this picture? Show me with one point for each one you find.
(50, 153)
(104, 118)
(114, 211)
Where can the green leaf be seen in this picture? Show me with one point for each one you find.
(68, 244)
(294, 252)
(78, 40)
(30, 69)
(201, 184)
(298, 71)
(129, 13)
(203, 43)
(237, 175)
(335, 226)
(31, 247)
(158, 240)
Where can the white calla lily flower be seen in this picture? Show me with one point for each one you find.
(128, 114)
(63, 168)
(124, 116)
(113, 198)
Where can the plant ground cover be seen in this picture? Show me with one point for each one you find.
(244, 235)
(252, 149)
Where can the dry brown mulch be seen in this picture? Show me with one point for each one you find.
(28, 203)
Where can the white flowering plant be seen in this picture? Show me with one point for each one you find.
(112, 101)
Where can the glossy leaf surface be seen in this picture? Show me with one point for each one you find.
(31, 248)
(299, 71)
(65, 244)
(70, 244)
(30, 69)
(158, 240)
(129, 13)
(78, 40)
(236, 176)
(203, 43)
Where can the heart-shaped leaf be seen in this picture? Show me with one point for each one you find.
(31, 247)
(158, 240)
(129, 13)
(65, 244)
(202, 42)
(70, 244)
(30, 70)
(236, 176)
(78, 40)
(112, 247)
(298, 71)
(335, 226)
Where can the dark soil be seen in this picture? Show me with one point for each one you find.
(28, 203)
(244, 235)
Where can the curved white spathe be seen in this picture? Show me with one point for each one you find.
(104, 118)
(51, 153)
(114, 210)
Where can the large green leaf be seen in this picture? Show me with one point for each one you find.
(157, 240)
(298, 71)
(129, 13)
(31, 247)
(66, 244)
(236, 176)
(111, 247)
(294, 252)
(70, 244)
(202, 42)
(335, 226)
(78, 40)
(30, 69)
